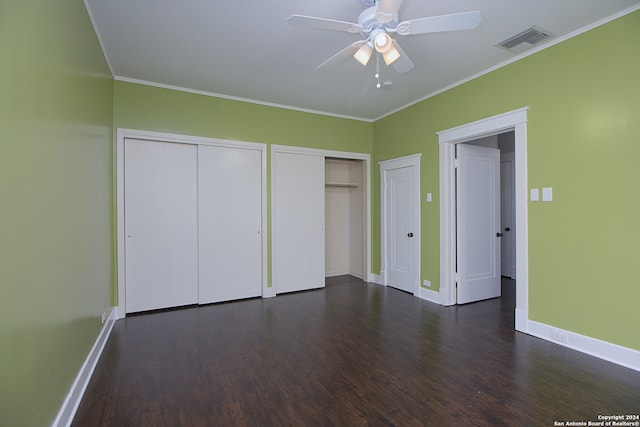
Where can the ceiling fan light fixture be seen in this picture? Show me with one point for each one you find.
(363, 54)
(377, 22)
(383, 42)
(390, 55)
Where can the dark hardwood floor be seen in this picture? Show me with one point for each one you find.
(351, 354)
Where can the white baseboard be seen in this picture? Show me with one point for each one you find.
(521, 320)
(336, 273)
(374, 278)
(613, 353)
(269, 292)
(429, 295)
(72, 401)
(348, 273)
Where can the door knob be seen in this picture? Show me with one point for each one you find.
(410, 235)
(507, 229)
(499, 234)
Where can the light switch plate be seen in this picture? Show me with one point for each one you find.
(535, 195)
(547, 194)
(429, 197)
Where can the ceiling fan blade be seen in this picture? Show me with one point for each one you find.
(436, 24)
(387, 9)
(342, 55)
(324, 24)
(402, 64)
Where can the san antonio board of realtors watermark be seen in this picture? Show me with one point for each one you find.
(627, 420)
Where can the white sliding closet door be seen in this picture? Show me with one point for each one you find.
(230, 218)
(161, 223)
(298, 221)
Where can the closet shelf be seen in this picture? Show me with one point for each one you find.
(340, 185)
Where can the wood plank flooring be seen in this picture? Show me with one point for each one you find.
(352, 354)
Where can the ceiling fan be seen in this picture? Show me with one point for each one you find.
(377, 23)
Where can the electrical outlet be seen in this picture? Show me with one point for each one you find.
(426, 283)
(104, 317)
(559, 336)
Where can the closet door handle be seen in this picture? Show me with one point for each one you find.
(410, 235)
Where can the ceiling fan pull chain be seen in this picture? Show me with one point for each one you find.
(377, 76)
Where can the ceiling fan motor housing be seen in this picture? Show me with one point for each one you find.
(369, 21)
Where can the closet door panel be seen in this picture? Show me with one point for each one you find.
(230, 219)
(298, 221)
(161, 223)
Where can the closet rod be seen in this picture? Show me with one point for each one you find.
(340, 185)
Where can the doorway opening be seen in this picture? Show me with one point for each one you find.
(516, 122)
(344, 217)
(485, 218)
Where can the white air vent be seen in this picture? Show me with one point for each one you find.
(525, 40)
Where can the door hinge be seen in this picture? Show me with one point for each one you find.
(457, 278)
(456, 163)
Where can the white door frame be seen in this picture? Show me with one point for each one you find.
(515, 120)
(385, 166)
(366, 158)
(121, 135)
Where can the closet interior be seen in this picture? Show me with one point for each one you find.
(344, 217)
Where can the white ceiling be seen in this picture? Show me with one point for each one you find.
(246, 49)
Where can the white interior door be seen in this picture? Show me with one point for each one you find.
(508, 218)
(478, 223)
(298, 221)
(161, 225)
(230, 221)
(400, 227)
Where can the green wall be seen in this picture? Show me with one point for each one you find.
(151, 108)
(56, 109)
(583, 125)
